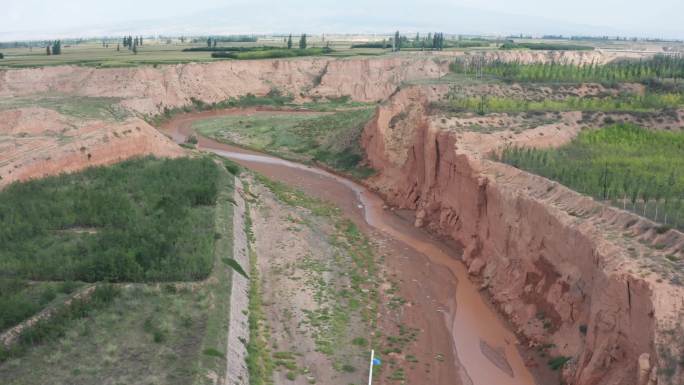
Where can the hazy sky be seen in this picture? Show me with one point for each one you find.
(41, 18)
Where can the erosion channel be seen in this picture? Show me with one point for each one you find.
(462, 339)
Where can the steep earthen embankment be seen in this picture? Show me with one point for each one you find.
(149, 90)
(35, 142)
(565, 270)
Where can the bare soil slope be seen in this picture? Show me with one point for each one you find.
(35, 142)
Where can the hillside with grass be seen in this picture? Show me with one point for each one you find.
(329, 138)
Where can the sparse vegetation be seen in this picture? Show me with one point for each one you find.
(344, 287)
(259, 360)
(56, 326)
(101, 108)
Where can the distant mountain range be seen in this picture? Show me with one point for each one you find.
(377, 17)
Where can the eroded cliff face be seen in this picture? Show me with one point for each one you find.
(40, 141)
(149, 90)
(36, 142)
(557, 264)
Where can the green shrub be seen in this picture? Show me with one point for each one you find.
(213, 353)
(232, 167)
(558, 362)
(583, 329)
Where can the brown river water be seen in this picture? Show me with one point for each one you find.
(456, 322)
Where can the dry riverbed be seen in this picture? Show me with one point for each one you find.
(318, 283)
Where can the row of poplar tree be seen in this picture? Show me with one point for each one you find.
(432, 41)
(302, 41)
(54, 48)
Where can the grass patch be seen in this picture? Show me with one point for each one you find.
(114, 341)
(330, 139)
(100, 108)
(56, 326)
(20, 299)
(153, 220)
(215, 326)
(213, 353)
(259, 360)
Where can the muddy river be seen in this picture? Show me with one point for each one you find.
(457, 323)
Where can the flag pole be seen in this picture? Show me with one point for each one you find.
(370, 373)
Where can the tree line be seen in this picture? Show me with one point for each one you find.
(659, 67)
(431, 41)
(302, 41)
(132, 43)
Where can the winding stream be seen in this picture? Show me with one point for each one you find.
(486, 352)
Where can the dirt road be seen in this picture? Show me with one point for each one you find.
(460, 338)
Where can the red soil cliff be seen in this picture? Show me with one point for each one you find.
(556, 263)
